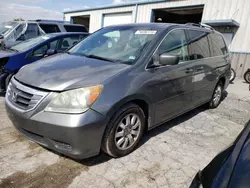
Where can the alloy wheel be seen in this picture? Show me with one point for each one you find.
(127, 131)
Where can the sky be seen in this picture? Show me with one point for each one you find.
(46, 9)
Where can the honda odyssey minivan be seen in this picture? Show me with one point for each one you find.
(105, 92)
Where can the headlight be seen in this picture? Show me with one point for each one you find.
(74, 101)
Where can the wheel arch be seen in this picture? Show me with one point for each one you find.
(142, 101)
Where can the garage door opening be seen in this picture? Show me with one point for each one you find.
(178, 15)
(117, 18)
(84, 20)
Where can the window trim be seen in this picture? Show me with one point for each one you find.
(156, 50)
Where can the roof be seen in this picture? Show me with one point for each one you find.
(226, 22)
(116, 6)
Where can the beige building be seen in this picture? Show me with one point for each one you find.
(230, 17)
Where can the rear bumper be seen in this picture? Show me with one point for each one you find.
(77, 136)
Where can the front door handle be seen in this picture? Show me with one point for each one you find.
(200, 69)
(188, 71)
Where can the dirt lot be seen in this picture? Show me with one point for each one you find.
(169, 155)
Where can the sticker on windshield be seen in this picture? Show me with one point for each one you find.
(132, 57)
(8, 26)
(145, 32)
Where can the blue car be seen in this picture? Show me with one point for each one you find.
(14, 58)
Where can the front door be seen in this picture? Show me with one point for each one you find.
(175, 88)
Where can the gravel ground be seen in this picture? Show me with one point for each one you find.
(169, 155)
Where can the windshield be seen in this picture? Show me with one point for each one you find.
(7, 26)
(26, 45)
(117, 44)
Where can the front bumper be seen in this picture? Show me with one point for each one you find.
(77, 136)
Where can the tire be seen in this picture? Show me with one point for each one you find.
(119, 125)
(247, 76)
(217, 96)
(233, 75)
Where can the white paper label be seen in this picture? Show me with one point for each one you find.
(145, 32)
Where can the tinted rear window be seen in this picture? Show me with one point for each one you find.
(72, 28)
(218, 45)
(198, 45)
(49, 28)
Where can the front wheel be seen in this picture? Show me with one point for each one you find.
(124, 131)
(217, 96)
(247, 76)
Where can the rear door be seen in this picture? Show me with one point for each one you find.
(199, 53)
(175, 87)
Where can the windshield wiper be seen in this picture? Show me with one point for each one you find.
(101, 58)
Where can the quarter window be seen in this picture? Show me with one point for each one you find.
(198, 45)
(53, 45)
(41, 51)
(175, 43)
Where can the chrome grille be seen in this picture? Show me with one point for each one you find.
(23, 97)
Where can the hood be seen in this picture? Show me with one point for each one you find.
(65, 71)
(5, 53)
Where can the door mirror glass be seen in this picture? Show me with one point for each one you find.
(51, 52)
(167, 59)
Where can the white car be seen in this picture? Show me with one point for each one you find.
(13, 32)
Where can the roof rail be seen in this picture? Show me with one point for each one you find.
(200, 25)
(53, 21)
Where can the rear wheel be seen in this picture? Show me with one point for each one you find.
(233, 75)
(124, 131)
(217, 96)
(247, 76)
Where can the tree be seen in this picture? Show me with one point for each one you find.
(18, 19)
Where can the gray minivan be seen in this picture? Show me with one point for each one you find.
(121, 81)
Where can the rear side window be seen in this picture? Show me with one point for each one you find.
(218, 45)
(50, 28)
(198, 44)
(72, 28)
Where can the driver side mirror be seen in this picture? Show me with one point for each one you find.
(167, 59)
(51, 52)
